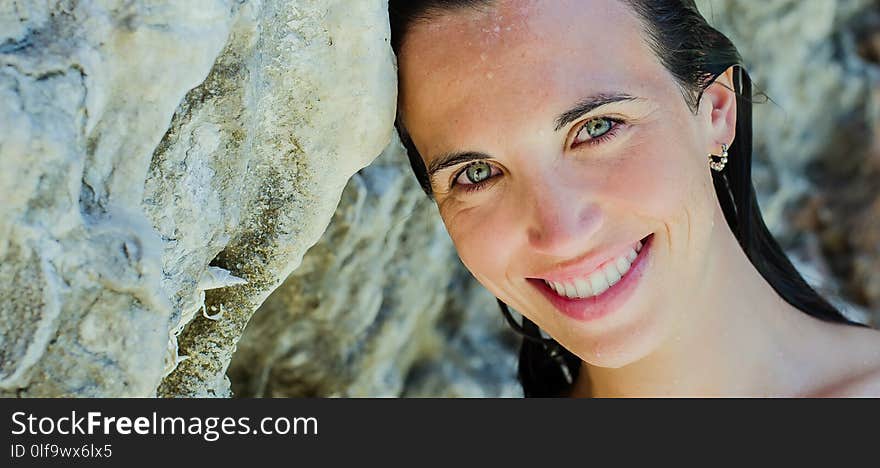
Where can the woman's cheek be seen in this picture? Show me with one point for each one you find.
(653, 177)
(481, 234)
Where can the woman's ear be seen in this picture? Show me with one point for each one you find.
(720, 100)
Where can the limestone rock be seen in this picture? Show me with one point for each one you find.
(144, 143)
(382, 306)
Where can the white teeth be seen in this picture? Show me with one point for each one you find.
(583, 288)
(639, 246)
(600, 280)
(622, 265)
(612, 275)
(598, 283)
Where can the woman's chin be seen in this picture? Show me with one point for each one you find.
(624, 346)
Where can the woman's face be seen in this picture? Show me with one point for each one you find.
(557, 143)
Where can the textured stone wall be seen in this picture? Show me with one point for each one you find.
(380, 307)
(154, 152)
(168, 168)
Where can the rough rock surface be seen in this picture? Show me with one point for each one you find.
(145, 142)
(167, 165)
(380, 307)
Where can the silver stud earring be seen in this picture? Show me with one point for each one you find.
(718, 161)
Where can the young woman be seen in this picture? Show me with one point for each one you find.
(591, 161)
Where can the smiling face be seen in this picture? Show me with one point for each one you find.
(557, 142)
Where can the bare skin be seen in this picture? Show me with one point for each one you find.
(701, 320)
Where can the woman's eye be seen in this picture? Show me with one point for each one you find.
(475, 174)
(595, 129)
(478, 172)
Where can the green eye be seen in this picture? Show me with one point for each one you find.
(597, 131)
(595, 128)
(478, 172)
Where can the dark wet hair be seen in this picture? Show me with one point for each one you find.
(695, 54)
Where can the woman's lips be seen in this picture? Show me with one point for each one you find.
(595, 307)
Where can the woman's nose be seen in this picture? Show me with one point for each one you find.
(562, 221)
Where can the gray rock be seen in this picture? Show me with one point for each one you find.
(146, 142)
(381, 306)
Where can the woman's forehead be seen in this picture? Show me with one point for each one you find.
(520, 55)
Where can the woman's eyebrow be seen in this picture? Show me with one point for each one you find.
(588, 104)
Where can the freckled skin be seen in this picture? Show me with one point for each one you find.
(552, 202)
(701, 320)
